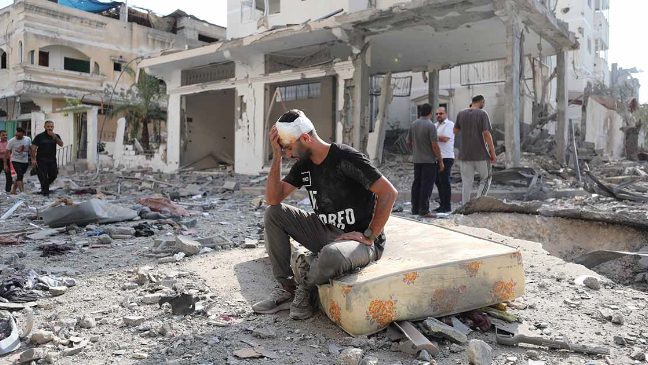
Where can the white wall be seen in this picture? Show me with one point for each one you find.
(291, 12)
(604, 129)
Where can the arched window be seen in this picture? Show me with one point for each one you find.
(3, 59)
(95, 69)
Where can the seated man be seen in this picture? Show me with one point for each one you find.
(352, 202)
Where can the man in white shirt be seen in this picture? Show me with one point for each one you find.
(446, 143)
(18, 148)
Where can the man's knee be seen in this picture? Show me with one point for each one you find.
(331, 261)
(272, 212)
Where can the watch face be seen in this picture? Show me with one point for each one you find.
(368, 232)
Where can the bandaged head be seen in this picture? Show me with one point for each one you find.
(291, 128)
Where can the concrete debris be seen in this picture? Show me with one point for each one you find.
(117, 284)
(617, 318)
(479, 353)
(350, 356)
(30, 355)
(42, 337)
(592, 283)
(133, 321)
(436, 328)
(187, 245)
(58, 290)
(87, 322)
(181, 304)
(231, 185)
(76, 349)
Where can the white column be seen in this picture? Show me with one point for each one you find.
(93, 129)
(174, 122)
(562, 101)
(433, 87)
(512, 94)
(37, 122)
(119, 141)
(360, 103)
(250, 131)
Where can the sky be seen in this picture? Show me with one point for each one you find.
(626, 17)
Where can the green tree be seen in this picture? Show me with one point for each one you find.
(144, 97)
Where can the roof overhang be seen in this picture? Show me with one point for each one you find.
(407, 37)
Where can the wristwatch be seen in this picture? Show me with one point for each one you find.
(369, 235)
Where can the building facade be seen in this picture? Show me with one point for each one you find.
(69, 65)
(321, 57)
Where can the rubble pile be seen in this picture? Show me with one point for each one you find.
(155, 268)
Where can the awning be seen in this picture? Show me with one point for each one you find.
(92, 6)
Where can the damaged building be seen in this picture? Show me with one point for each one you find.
(322, 59)
(68, 61)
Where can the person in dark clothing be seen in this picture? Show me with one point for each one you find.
(422, 137)
(44, 156)
(351, 203)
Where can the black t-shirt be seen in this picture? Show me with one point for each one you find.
(339, 187)
(46, 145)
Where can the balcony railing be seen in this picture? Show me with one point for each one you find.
(64, 155)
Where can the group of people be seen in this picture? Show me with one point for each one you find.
(433, 147)
(19, 150)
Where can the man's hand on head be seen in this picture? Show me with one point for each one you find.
(274, 140)
(355, 236)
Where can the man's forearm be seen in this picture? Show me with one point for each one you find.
(437, 152)
(489, 141)
(273, 186)
(384, 206)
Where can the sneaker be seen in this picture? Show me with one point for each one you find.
(302, 306)
(279, 300)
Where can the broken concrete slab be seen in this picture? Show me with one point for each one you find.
(479, 353)
(436, 328)
(187, 245)
(45, 233)
(91, 211)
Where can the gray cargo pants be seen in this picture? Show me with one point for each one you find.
(468, 168)
(332, 258)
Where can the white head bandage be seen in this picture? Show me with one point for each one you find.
(289, 132)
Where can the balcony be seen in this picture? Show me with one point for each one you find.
(46, 80)
(603, 28)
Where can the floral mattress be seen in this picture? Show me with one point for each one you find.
(425, 271)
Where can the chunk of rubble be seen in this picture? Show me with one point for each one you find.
(30, 355)
(133, 321)
(187, 245)
(42, 337)
(479, 353)
(350, 356)
(57, 290)
(436, 328)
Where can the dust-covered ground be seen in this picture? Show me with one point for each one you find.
(105, 319)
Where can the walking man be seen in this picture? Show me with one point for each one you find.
(43, 151)
(4, 156)
(352, 202)
(445, 131)
(18, 148)
(477, 151)
(422, 138)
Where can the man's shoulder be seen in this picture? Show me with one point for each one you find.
(344, 150)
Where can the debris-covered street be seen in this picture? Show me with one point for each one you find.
(179, 290)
